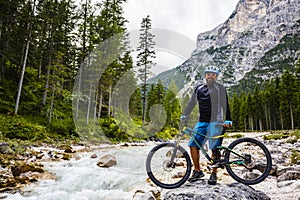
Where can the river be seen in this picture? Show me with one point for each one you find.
(82, 179)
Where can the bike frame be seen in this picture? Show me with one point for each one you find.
(191, 133)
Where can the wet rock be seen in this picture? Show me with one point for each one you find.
(21, 168)
(147, 194)
(5, 148)
(66, 156)
(66, 148)
(141, 195)
(94, 156)
(107, 161)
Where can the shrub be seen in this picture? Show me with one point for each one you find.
(295, 157)
(276, 136)
(20, 128)
(167, 133)
(238, 135)
(296, 133)
(63, 127)
(112, 130)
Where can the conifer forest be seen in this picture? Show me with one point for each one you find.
(43, 45)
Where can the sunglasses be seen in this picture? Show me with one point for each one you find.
(210, 74)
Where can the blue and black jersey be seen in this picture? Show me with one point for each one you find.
(212, 102)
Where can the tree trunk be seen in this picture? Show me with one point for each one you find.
(51, 105)
(24, 60)
(270, 121)
(267, 117)
(95, 108)
(275, 124)
(100, 104)
(109, 99)
(47, 83)
(292, 117)
(40, 66)
(78, 92)
(281, 120)
(251, 123)
(260, 125)
(22, 74)
(89, 104)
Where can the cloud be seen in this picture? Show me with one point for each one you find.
(188, 17)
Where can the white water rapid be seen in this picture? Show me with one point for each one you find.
(83, 180)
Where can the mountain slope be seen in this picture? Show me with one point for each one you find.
(256, 42)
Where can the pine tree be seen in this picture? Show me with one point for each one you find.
(145, 55)
(24, 60)
(155, 96)
(235, 110)
(287, 104)
(172, 105)
(297, 93)
(135, 104)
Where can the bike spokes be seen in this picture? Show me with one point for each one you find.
(167, 170)
(249, 161)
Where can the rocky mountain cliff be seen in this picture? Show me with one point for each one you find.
(258, 41)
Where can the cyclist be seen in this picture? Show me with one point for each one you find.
(213, 111)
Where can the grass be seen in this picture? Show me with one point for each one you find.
(293, 136)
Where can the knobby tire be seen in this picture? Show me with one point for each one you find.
(159, 172)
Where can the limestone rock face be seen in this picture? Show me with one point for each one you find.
(249, 45)
(237, 45)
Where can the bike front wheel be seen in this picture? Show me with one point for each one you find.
(248, 161)
(166, 173)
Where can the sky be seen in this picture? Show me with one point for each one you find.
(185, 18)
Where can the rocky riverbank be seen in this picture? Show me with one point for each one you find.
(19, 169)
(282, 183)
(25, 167)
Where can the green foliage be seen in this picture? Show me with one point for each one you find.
(273, 105)
(295, 156)
(167, 133)
(238, 135)
(272, 137)
(53, 59)
(20, 128)
(294, 137)
(296, 134)
(112, 130)
(64, 128)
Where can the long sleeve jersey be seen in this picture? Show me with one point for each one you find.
(212, 101)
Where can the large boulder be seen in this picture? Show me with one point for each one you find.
(200, 190)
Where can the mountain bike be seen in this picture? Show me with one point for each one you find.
(246, 160)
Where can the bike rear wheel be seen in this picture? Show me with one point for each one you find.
(249, 161)
(162, 172)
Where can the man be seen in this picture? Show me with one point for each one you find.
(213, 108)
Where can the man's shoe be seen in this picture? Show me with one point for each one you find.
(212, 179)
(196, 176)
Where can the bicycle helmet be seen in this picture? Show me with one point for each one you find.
(212, 69)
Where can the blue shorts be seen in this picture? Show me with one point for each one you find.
(208, 129)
